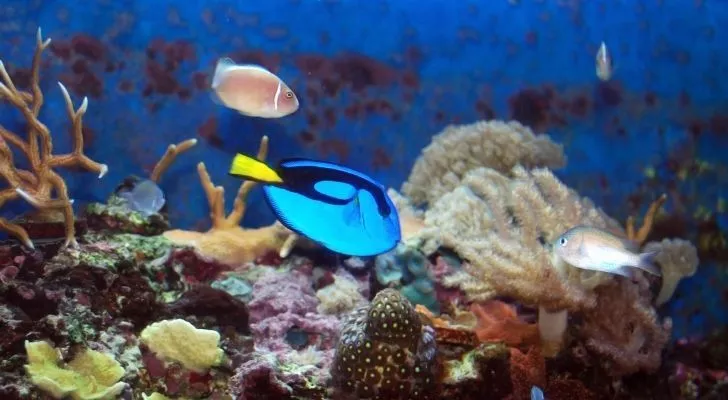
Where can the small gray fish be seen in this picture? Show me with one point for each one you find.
(594, 249)
(536, 393)
(145, 198)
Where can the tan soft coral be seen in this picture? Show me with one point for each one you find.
(410, 219)
(459, 149)
(504, 230)
(227, 241)
(678, 259)
(503, 226)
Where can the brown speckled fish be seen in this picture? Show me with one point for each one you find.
(594, 249)
(252, 90)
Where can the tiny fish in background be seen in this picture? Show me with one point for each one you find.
(145, 198)
(536, 393)
(252, 90)
(594, 249)
(604, 65)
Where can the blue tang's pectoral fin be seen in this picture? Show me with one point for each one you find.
(353, 214)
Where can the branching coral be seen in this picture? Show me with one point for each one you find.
(459, 149)
(640, 235)
(168, 158)
(40, 185)
(227, 241)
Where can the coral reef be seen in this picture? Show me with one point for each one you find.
(472, 304)
(38, 184)
(503, 223)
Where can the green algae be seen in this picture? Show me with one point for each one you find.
(114, 251)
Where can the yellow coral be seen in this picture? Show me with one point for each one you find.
(178, 340)
(91, 375)
(155, 396)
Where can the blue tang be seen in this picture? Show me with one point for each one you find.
(343, 210)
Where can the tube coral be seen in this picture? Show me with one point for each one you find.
(458, 149)
(38, 184)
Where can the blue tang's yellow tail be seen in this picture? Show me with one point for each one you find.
(253, 169)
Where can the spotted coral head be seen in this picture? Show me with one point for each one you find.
(391, 318)
(385, 352)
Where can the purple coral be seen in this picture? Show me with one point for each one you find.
(283, 303)
(385, 352)
(276, 293)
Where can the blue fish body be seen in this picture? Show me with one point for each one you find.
(536, 393)
(342, 209)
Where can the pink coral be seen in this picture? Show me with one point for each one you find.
(283, 302)
(258, 375)
(276, 293)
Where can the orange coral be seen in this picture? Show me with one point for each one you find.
(38, 184)
(168, 158)
(227, 241)
(448, 330)
(527, 370)
(499, 321)
(565, 388)
(641, 235)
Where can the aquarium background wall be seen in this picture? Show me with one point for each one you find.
(376, 79)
